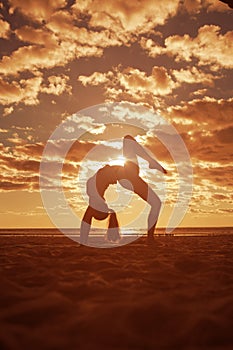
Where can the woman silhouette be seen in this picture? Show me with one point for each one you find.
(128, 177)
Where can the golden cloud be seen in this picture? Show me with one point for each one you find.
(62, 37)
(158, 83)
(132, 83)
(131, 16)
(216, 5)
(20, 163)
(7, 111)
(199, 92)
(26, 91)
(208, 111)
(55, 45)
(39, 36)
(97, 78)
(209, 47)
(62, 24)
(60, 40)
(36, 10)
(29, 150)
(57, 85)
(17, 170)
(32, 57)
(192, 75)
(217, 176)
(194, 6)
(4, 29)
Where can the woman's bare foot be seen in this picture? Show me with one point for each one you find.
(150, 239)
(153, 164)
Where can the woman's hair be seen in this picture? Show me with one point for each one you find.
(113, 232)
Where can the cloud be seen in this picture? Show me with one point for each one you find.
(208, 112)
(192, 6)
(208, 47)
(12, 184)
(50, 48)
(4, 29)
(37, 10)
(33, 58)
(29, 150)
(7, 111)
(211, 161)
(131, 17)
(225, 135)
(20, 163)
(195, 6)
(220, 196)
(25, 91)
(15, 139)
(60, 42)
(206, 126)
(192, 75)
(215, 176)
(132, 83)
(228, 2)
(135, 85)
(39, 36)
(57, 85)
(208, 147)
(62, 24)
(95, 79)
(19, 171)
(199, 92)
(220, 6)
(61, 36)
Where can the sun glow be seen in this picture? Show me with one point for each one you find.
(117, 161)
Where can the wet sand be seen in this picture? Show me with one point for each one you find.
(177, 294)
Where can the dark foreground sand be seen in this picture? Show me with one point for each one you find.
(176, 295)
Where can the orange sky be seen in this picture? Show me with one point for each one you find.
(60, 56)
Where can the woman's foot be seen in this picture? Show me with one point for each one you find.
(150, 239)
(153, 164)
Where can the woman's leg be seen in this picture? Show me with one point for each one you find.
(129, 149)
(132, 149)
(143, 190)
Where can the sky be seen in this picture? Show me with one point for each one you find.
(59, 57)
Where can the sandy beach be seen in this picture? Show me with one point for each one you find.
(174, 295)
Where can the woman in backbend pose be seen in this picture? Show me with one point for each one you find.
(128, 177)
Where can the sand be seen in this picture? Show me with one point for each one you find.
(177, 294)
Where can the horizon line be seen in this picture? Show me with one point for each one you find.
(100, 228)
